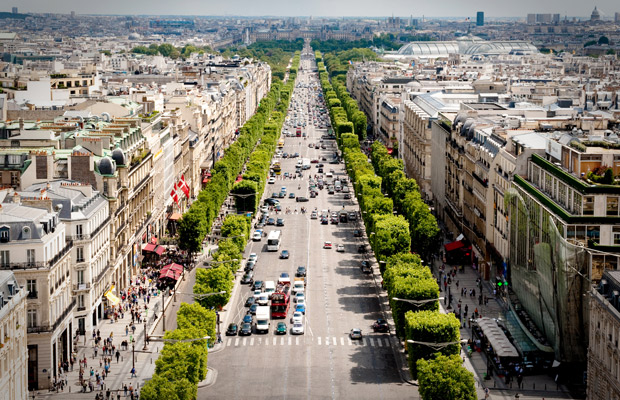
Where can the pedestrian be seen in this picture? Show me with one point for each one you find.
(457, 283)
(126, 330)
(118, 355)
(133, 372)
(520, 381)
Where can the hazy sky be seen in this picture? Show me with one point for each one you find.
(417, 8)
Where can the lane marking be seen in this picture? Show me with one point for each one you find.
(245, 340)
(342, 341)
(350, 342)
(251, 341)
(319, 339)
(274, 341)
(228, 342)
(380, 342)
(289, 340)
(372, 342)
(282, 341)
(365, 341)
(296, 340)
(335, 341)
(237, 342)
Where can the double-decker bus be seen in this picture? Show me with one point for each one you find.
(273, 241)
(276, 168)
(280, 303)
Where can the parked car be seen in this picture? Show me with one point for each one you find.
(247, 278)
(380, 325)
(365, 267)
(258, 285)
(340, 248)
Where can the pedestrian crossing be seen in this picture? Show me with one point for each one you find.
(289, 340)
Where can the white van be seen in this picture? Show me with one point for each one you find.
(263, 299)
(298, 287)
(270, 287)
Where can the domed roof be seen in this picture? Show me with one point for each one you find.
(596, 15)
(134, 36)
(106, 166)
(118, 156)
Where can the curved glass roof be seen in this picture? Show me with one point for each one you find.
(470, 47)
(428, 48)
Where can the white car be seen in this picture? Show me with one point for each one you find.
(253, 257)
(264, 209)
(271, 180)
(299, 296)
(297, 318)
(314, 215)
(340, 248)
(257, 293)
(298, 329)
(256, 236)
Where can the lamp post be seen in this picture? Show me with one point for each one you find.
(437, 345)
(417, 302)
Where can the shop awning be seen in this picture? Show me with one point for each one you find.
(154, 240)
(112, 298)
(171, 271)
(390, 150)
(160, 250)
(206, 179)
(149, 247)
(174, 216)
(497, 338)
(454, 245)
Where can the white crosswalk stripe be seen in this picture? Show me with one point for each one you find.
(252, 342)
(380, 342)
(237, 342)
(370, 341)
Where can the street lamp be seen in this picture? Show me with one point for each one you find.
(436, 345)
(179, 340)
(417, 302)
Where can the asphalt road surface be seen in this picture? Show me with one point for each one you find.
(323, 363)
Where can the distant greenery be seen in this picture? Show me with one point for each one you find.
(276, 53)
(386, 41)
(10, 15)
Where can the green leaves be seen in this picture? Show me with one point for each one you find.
(445, 378)
(216, 279)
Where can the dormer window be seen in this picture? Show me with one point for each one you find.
(5, 232)
(26, 232)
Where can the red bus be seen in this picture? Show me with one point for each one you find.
(298, 133)
(280, 303)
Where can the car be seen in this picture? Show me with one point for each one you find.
(247, 278)
(272, 202)
(301, 307)
(313, 194)
(253, 308)
(352, 216)
(291, 195)
(248, 319)
(284, 278)
(264, 209)
(362, 248)
(259, 225)
(347, 196)
(314, 215)
(358, 233)
(249, 266)
(271, 221)
(298, 329)
(324, 221)
(335, 221)
(258, 285)
(280, 222)
(232, 330)
(271, 180)
(302, 199)
(253, 257)
(282, 195)
(329, 175)
(284, 254)
(249, 301)
(299, 296)
(320, 170)
(334, 161)
(355, 334)
(246, 330)
(327, 245)
(257, 235)
(380, 325)
(314, 161)
(301, 272)
(340, 248)
(281, 328)
(365, 267)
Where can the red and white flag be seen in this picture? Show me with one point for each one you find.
(174, 194)
(184, 186)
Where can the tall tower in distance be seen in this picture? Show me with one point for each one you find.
(617, 18)
(480, 18)
(15, 10)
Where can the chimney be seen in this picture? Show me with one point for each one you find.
(16, 198)
(21, 124)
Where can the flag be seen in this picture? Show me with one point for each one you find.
(183, 186)
(350, 62)
(174, 194)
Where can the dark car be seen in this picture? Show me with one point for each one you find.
(347, 196)
(365, 267)
(301, 272)
(280, 222)
(324, 221)
(353, 216)
(258, 285)
(248, 319)
(249, 266)
(362, 248)
(358, 233)
(320, 170)
(302, 199)
(281, 328)
(246, 330)
(232, 330)
(282, 195)
(248, 277)
(380, 325)
(271, 221)
(334, 161)
(285, 254)
(272, 202)
(249, 301)
(253, 308)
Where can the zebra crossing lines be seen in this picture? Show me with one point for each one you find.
(376, 341)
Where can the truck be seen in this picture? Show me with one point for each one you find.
(305, 163)
(262, 319)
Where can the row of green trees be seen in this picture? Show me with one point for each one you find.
(391, 235)
(195, 223)
(182, 365)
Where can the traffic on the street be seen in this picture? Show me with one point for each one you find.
(305, 320)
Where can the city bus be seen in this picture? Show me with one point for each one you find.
(273, 241)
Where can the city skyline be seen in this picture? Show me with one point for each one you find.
(361, 8)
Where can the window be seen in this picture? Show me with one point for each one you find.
(80, 302)
(26, 232)
(5, 261)
(79, 230)
(4, 234)
(594, 233)
(32, 318)
(80, 277)
(14, 178)
(612, 205)
(79, 254)
(588, 205)
(616, 234)
(30, 257)
(31, 286)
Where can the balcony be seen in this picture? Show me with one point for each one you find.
(78, 287)
(86, 237)
(52, 328)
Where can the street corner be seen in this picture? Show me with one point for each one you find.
(210, 379)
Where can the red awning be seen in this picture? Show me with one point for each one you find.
(160, 250)
(149, 247)
(175, 217)
(390, 150)
(154, 240)
(172, 271)
(239, 179)
(206, 179)
(454, 245)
